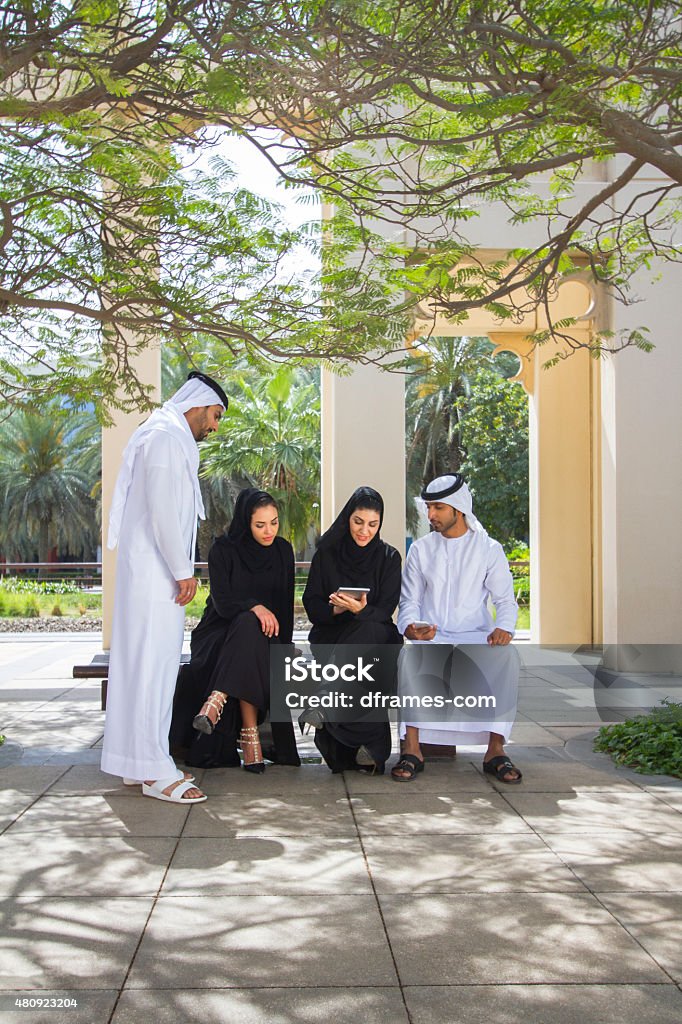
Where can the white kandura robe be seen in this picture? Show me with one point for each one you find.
(447, 581)
(155, 549)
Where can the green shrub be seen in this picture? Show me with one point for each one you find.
(195, 609)
(57, 610)
(522, 589)
(648, 743)
(31, 607)
(15, 607)
(3, 605)
(14, 585)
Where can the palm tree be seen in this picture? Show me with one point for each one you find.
(437, 402)
(270, 437)
(46, 483)
(435, 393)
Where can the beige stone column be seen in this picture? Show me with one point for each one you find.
(114, 440)
(561, 448)
(563, 428)
(642, 481)
(363, 442)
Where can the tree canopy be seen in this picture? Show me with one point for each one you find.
(405, 116)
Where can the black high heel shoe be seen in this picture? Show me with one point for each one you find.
(250, 738)
(204, 722)
(365, 762)
(312, 717)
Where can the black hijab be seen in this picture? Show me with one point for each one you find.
(353, 560)
(255, 557)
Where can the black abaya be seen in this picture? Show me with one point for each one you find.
(339, 562)
(229, 651)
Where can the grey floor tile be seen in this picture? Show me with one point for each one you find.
(22, 698)
(92, 1007)
(278, 780)
(54, 865)
(284, 865)
(571, 732)
(545, 1004)
(29, 778)
(66, 943)
(448, 778)
(265, 814)
(263, 1006)
(638, 861)
(275, 941)
(14, 803)
(585, 811)
(657, 783)
(563, 777)
(407, 812)
(654, 920)
(534, 732)
(87, 755)
(89, 780)
(551, 939)
(668, 795)
(102, 816)
(442, 864)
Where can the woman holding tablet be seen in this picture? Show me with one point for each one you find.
(352, 591)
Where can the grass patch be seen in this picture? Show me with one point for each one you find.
(32, 605)
(651, 743)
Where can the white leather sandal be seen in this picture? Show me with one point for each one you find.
(176, 796)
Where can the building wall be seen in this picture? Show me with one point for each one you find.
(642, 470)
(363, 442)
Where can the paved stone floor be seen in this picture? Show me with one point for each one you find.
(298, 896)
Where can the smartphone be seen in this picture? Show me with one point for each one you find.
(355, 592)
(422, 625)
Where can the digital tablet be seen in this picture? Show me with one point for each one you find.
(355, 592)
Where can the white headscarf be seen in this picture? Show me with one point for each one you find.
(170, 418)
(460, 499)
(195, 394)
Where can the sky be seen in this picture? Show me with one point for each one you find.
(257, 174)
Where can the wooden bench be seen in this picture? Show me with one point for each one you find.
(99, 669)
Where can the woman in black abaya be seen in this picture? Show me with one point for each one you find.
(352, 554)
(250, 606)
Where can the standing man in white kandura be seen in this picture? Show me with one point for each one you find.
(449, 576)
(153, 521)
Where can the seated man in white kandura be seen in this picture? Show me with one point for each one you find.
(447, 580)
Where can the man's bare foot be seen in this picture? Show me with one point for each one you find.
(499, 765)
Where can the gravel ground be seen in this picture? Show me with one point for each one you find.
(51, 624)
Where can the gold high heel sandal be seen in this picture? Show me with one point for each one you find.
(204, 722)
(250, 737)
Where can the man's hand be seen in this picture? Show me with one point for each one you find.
(186, 590)
(268, 621)
(346, 603)
(420, 632)
(499, 638)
